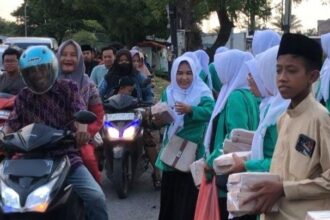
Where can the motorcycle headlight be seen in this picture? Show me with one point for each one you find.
(113, 133)
(129, 133)
(38, 200)
(10, 199)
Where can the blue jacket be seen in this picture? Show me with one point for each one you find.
(143, 93)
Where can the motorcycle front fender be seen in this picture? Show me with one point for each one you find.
(118, 152)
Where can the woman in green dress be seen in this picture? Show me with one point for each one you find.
(236, 107)
(192, 103)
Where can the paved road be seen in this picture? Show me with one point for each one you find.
(142, 202)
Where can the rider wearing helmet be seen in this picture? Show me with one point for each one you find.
(53, 102)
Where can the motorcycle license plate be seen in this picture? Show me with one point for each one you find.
(4, 114)
(120, 117)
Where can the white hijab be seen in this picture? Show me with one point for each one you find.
(221, 49)
(276, 105)
(325, 71)
(233, 75)
(191, 96)
(263, 40)
(204, 61)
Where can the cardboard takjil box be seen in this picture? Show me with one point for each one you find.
(162, 114)
(318, 215)
(223, 163)
(229, 146)
(239, 190)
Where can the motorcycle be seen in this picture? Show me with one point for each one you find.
(32, 179)
(6, 106)
(123, 144)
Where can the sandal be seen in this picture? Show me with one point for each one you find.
(156, 182)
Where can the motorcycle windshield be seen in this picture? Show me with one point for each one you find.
(32, 136)
(32, 168)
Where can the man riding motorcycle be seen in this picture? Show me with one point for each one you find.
(53, 102)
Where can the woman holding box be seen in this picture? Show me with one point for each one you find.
(236, 107)
(193, 104)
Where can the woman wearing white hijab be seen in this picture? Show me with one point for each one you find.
(193, 103)
(323, 93)
(263, 40)
(236, 107)
(265, 137)
(216, 84)
(204, 60)
(200, 71)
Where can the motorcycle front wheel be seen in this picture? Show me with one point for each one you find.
(121, 173)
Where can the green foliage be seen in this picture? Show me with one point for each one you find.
(8, 28)
(85, 37)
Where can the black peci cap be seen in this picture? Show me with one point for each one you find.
(85, 47)
(301, 45)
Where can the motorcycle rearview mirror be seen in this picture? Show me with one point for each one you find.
(85, 117)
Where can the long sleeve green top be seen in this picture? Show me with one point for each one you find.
(193, 128)
(240, 111)
(269, 146)
(216, 83)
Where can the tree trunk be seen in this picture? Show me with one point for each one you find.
(226, 26)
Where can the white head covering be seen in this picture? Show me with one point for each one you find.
(325, 71)
(190, 96)
(233, 75)
(221, 49)
(263, 40)
(204, 60)
(276, 105)
(195, 59)
(251, 65)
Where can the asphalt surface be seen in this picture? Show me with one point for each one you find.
(142, 202)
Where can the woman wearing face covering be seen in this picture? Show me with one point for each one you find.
(324, 92)
(193, 103)
(123, 66)
(236, 107)
(72, 68)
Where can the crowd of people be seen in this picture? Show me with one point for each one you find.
(279, 90)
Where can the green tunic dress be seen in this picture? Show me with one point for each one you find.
(193, 129)
(216, 84)
(240, 111)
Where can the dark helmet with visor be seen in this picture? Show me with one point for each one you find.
(39, 68)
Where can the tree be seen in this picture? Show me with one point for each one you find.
(228, 13)
(295, 23)
(7, 28)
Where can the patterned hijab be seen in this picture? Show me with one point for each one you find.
(85, 85)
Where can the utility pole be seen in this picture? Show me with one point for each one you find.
(25, 22)
(173, 31)
(287, 16)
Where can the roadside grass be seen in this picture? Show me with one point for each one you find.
(160, 85)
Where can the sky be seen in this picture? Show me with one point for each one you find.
(309, 11)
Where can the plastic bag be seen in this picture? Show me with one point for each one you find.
(207, 206)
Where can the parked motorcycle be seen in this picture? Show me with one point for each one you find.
(32, 179)
(123, 144)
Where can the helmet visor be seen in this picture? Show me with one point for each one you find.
(40, 78)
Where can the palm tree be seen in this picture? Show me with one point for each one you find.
(295, 23)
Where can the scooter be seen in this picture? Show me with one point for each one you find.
(6, 105)
(32, 179)
(123, 145)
